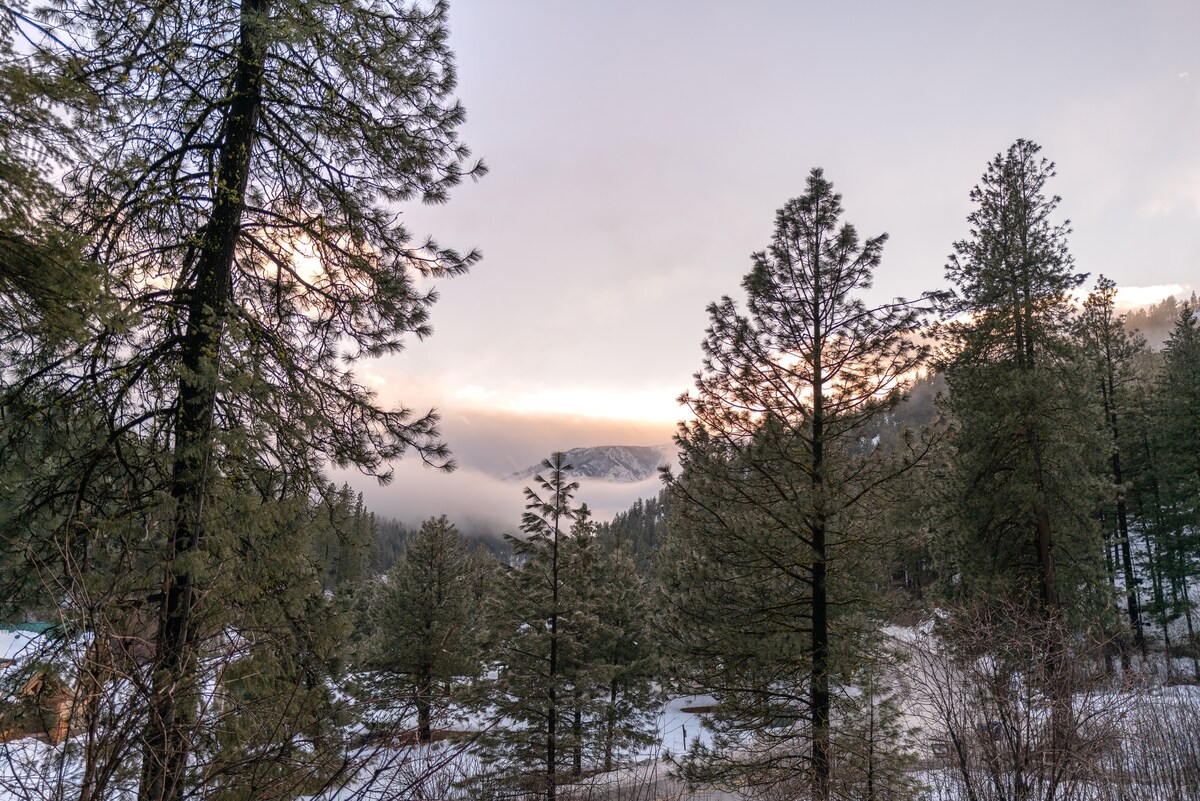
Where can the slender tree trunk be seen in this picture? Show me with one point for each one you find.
(173, 691)
(610, 725)
(871, 752)
(820, 590)
(577, 737)
(1131, 596)
(552, 710)
(1187, 616)
(96, 674)
(1154, 551)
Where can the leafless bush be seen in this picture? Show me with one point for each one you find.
(1159, 755)
(1013, 710)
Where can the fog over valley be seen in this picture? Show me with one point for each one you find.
(489, 447)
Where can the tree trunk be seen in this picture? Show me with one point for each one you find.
(820, 590)
(552, 710)
(610, 724)
(1187, 616)
(424, 712)
(173, 692)
(577, 737)
(1131, 598)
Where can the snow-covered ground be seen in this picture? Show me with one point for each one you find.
(17, 644)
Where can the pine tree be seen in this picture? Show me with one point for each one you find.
(623, 659)
(1150, 518)
(639, 529)
(1023, 449)
(343, 548)
(776, 481)
(530, 686)
(426, 632)
(43, 282)
(1026, 481)
(240, 199)
(575, 668)
(1176, 431)
(1114, 353)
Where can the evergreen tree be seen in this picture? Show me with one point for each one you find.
(1176, 431)
(1113, 353)
(639, 529)
(239, 197)
(769, 513)
(1150, 517)
(343, 548)
(426, 631)
(623, 660)
(529, 689)
(43, 282)
(1025, 493)
(575, 670)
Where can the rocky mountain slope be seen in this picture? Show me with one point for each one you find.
(616, 463)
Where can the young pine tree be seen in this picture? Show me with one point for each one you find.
(530, 688)
(426, 630)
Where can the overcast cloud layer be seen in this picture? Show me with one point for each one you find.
(639, 152)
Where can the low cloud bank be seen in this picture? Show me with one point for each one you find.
(488, 445)
(477, 501)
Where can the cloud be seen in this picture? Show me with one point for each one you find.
(1176, 192)
(1134, 297)
(489, 444)
(499, 441)
(477, 501)
(653, 406)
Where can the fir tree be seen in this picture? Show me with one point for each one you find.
(530, 686)
(1026, 480)
(575, 672)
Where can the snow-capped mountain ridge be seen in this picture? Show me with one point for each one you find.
(617, 463)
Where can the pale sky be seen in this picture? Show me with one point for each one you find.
(639, 150)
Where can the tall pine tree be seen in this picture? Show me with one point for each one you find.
(1113, 354)
(776, 481)
(1024, 487)
(239, 196)
(1176, 431)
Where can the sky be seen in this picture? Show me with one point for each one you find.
(638, 152)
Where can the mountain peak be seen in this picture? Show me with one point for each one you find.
(618, 463)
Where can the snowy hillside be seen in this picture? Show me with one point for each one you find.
(618, 463)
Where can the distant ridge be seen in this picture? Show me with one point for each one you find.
(623, 464)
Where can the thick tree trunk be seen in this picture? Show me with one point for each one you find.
(173, 692)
